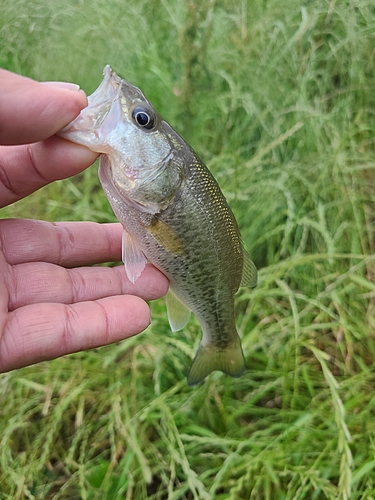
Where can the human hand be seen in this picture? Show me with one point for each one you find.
(49, 304)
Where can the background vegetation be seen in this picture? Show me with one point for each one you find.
(278, 99)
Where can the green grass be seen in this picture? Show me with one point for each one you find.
(278, 99)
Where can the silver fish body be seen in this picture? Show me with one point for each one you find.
(173, 214)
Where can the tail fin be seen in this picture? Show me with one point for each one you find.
(208, 358)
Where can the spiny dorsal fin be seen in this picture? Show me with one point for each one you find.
(249, 271)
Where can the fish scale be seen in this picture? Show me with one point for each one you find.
(173, 214)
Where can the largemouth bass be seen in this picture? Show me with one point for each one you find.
(173, 214)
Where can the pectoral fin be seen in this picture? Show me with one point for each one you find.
(165, 236)
(249, 271)
(178, 313)
(132, 256)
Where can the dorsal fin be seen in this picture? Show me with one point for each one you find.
(249, 271)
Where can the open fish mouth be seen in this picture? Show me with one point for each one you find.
(107, 91)
(85, 129)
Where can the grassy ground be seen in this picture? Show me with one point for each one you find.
(278, 98)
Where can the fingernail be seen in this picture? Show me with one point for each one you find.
(63, 85)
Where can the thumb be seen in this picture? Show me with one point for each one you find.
(31, 111)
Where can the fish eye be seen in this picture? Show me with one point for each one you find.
(143, 118)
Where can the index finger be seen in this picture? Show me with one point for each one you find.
(68, 244)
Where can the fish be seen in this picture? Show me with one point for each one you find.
(173, 214)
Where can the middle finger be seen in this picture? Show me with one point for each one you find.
(39, 282)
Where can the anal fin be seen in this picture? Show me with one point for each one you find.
(132, 256)
(178, 312)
